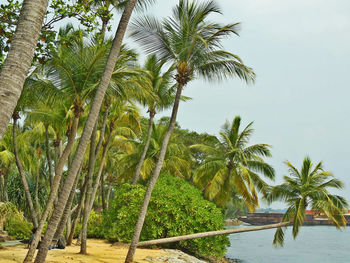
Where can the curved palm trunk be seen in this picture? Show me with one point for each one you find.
(141, 219)
(48, 156)
(91, 120)
(19, 58)
(92, 159)
(67, 211)
(21, 173)
(54, 189)
(37, 204)
(209, 234)
(108, 196)
(145, 149)
(79, 209)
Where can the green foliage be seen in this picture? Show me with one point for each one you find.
(176, 208)
(308, 188)
(95, 225)
(18, 227)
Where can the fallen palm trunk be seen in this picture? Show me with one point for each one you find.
(209, 234)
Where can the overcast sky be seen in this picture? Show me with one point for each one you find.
(300, 51)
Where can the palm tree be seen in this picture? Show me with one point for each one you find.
(231, 165)
(19, 58)
(177, 160)
(191, 44)
(308, 188)
(161, 84)
(84, 140)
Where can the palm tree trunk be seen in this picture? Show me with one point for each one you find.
(67, 211)
(98, 177)
(54, 189)
(91, 120)
(48, 156)
(92, 159)
(145, 149)
(19, 58)
(102, 189)
(209, 234)
(37, 204)
(21, 172)
(79, 209)
(5, 178)
(141, 219)
(108, 195)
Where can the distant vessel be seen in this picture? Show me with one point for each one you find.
(312, 218)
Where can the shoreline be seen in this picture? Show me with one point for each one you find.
(102, 251)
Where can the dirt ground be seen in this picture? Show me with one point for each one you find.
(98, 251)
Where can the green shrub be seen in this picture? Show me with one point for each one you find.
(95, 227)
(17, 227)
(176, 208)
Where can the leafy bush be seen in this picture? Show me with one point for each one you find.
(18, 227)
(176, 208)
(95, 227)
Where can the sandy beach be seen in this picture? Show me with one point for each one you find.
(99, 251)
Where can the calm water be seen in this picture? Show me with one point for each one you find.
(314, 244)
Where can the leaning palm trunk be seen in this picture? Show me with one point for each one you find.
(89, 194)
(54, 189)
(19, 58)
(99, 173)
(21, 173)
(141, 219)
(108, 195)
(90, 199)
(79, 209)
(210, 234)
(145, 149)
(92, 159)
(67, 210)
(91, 120)
(48, 156)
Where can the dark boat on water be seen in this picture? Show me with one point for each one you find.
(311, 219)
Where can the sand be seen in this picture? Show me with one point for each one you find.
(98, 251)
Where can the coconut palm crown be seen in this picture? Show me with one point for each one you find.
(233, 166)
(191, 43)
(308, 188)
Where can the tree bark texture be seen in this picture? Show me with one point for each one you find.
(142, 215)
(19, 58)
(54, 190)
(67, 211)
(209, 234)
(79, 209)
(91, 120)
(22, 174)
(89, 178)
(145, 149)
(48, 156)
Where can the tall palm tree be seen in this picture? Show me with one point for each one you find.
(308, 188)
(164, 91)
(19, 58)
(90, 123)
(192, 44)
(231, 165)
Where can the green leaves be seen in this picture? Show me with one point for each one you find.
(308, 188)
(176, 208)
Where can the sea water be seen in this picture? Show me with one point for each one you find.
(314, 244)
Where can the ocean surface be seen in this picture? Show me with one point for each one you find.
(314, 244)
